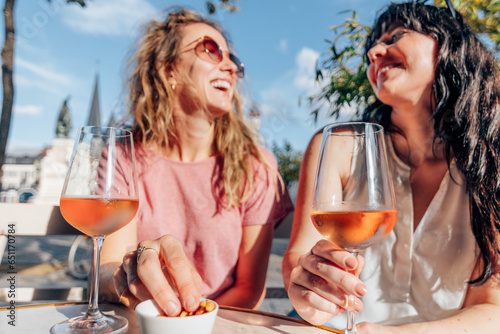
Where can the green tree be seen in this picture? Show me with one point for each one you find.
(482, 15)
(289, 161)
(342, 73)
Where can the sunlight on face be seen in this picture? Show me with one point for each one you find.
(210, 83)
(402, 66)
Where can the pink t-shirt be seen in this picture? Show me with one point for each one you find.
(177, 198)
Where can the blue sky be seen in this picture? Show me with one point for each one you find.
(60, 47)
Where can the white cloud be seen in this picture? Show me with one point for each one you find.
(43, 72)
(110, 17)
(22, 81)
(42, 77)
(304, 78)
(280, 101)
(29, 109)
(282, 116)
(282, 97)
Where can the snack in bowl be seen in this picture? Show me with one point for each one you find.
(204, 307)
(152, 320)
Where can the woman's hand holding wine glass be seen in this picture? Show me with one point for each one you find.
(353, 207)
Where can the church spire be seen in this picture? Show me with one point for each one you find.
(95, 111)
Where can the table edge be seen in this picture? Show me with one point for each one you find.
(230, 308)
(279, 316)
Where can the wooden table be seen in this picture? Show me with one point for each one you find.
(36, 319)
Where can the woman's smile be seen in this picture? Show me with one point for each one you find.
(401, 69)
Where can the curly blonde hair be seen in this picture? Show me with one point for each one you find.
(151, 106)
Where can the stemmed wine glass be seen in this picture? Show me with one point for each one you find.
(354, 205)
(99, 197)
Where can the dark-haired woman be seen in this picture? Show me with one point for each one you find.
(438, 97)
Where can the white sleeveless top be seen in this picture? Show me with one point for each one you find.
(421, 276)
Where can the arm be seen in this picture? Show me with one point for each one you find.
(303, 235)
(114, 248)
(312, 279)
(164, 274)
(315, 272)
(249, 287)
(478, 315)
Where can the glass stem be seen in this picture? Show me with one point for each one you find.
(351, 325)
(93, 309)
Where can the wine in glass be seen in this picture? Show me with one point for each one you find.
(99, 197)
(354, 204)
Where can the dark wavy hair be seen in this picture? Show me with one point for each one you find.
(466, 113)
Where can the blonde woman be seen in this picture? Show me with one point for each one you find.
(208, 191)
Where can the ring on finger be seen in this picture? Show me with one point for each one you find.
(142, 249)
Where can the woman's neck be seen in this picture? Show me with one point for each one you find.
(415, 144)
(194, 139)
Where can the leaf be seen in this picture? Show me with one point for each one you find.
(229, 5)
(211, 9)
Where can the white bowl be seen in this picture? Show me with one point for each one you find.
(150, 322)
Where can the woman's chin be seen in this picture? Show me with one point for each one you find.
(218, 111)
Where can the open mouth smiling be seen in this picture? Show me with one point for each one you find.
(221, 85)
(383, 69)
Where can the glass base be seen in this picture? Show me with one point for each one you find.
(80, 325)
(352, 331)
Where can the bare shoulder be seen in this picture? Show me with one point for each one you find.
(315, 142)
(311, 153)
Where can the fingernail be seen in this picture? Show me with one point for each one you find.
(350, 303)
(351, 263)
(358, 305)
(191, 303)
(360, 289)
(171, 309)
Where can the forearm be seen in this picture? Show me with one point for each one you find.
(249, 286)
(290, 260)
(242, 295)
(481, 318)
(115, 246)
(107, 289)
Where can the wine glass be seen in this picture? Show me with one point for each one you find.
(354, 204)
(99, 197)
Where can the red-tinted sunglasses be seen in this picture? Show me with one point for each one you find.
(207, 49)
